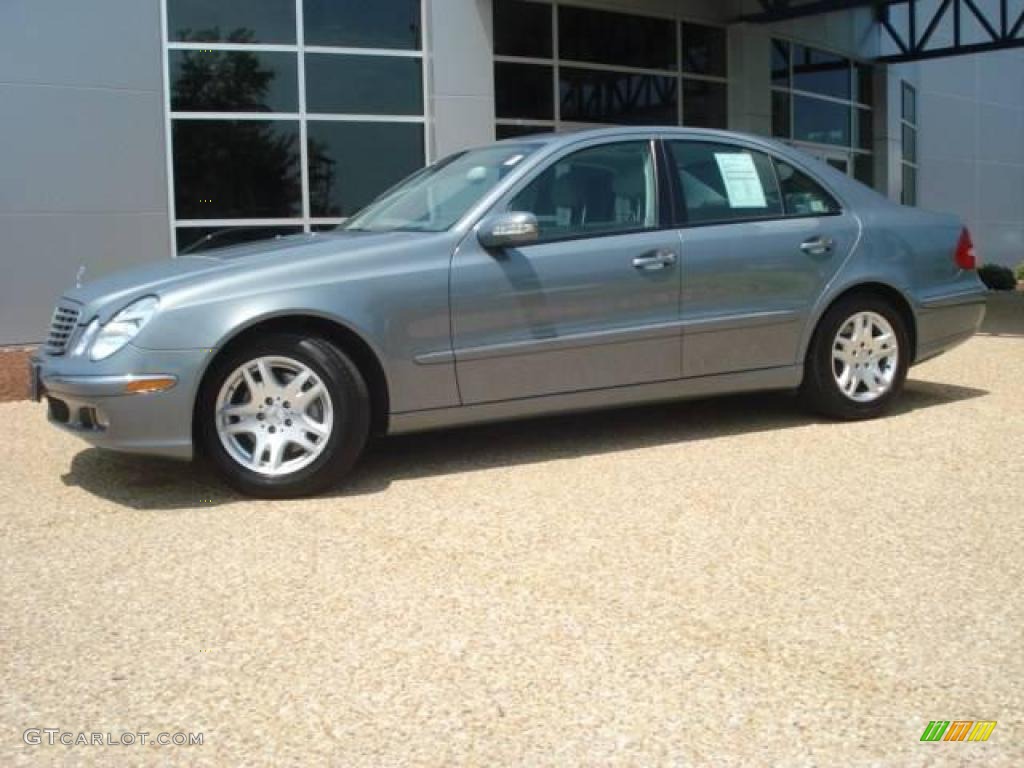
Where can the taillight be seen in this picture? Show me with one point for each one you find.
(965, 251)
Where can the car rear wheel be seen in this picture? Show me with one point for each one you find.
(858, 359)
(284, 415)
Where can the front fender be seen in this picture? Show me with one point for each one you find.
(399, 311)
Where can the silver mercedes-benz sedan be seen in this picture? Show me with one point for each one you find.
(532, 276)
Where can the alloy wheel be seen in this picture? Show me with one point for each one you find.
(274, 415)
(865, 357)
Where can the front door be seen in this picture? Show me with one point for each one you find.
(593, 303)
(760, 242)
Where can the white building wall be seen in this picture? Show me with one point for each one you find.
(971, 145)
(459, 51)
(82, 161)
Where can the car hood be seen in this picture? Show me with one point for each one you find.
(109, 294)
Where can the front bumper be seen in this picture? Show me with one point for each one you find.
(92, 402)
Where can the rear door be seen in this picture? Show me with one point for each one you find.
(760, 240)
(593, 303)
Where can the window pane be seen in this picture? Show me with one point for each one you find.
(589, 96)
(200, 239)
(362, 23)
(221, 81)
(909, 196)
(704, 50)
(864, 89)
(229, 169)
(705, 105)
(604, 37)
(909, 144)
(722, 182)
(864, 169)
(780, 63)
(780, 115)
(802, 195)
(522, 29)
(236, 21)
(864, 128)
(364, 85)
(351, 163)
(511, 131)
(820, 72)
(524, 90)
(909, 104)
(823, 122)
(596, 191)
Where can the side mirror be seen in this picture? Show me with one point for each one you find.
(504, 230)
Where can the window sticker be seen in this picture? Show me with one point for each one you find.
(742, 184)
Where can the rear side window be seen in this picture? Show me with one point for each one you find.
(801, 195)
(723, 182)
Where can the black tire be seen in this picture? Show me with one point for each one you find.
(350, 400)
(820, 390)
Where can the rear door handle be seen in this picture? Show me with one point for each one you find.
(656, 260)
(817, 246)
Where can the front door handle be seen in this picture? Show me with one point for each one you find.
(656, 260)
(817, 246)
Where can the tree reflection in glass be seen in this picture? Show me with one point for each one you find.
(234, 168)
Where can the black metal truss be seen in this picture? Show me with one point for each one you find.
(1001, 30)
(999, 27)
(782, 10)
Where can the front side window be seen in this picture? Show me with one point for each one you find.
(801, 195)
(436, 197)
(601, 190)
(723, 182)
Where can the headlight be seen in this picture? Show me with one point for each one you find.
(122, 328)
(86, 339)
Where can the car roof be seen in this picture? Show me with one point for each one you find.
(569, 137)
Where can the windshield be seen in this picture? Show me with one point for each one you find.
(435, 197)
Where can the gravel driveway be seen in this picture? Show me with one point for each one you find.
(724, 582)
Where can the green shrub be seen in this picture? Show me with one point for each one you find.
(1020, 272)
(996, 277)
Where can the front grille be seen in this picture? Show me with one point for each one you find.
(65, 319)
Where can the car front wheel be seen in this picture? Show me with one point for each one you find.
(858, 359)
(284, 415)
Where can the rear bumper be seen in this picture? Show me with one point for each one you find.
(945, 321)
(96, 407)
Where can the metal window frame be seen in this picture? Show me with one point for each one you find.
(1000, 28)
(913, 126)
(307, 221)
(853, 103)
(557, 124)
